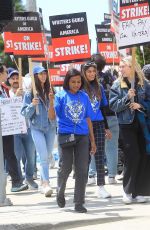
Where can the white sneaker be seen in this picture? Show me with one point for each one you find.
(47, 191)
(112, 180)
(140, 199)
(102, 193)
(91, 180)
(127, 198)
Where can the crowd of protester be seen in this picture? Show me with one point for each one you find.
(96, 115)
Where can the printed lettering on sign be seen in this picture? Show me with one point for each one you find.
(26, 45)
(107, 44)
(70, 38)
(55, 78)
(23, 36)
(65, 67)
(110, 52)
(8, 43)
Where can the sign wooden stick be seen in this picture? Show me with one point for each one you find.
(49, 77)
(133, 62)
(20, 72)
(113, 66)
(33, 83)
(70, 66)
(133, 70)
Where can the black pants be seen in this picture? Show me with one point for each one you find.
(9, 156)
(132, 138)
(79, 156)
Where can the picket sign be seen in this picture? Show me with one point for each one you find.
(106, 44)
(33, 82)
(70, 39)
(20, 72)
(134, 23)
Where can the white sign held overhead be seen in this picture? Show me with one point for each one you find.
(134, 25)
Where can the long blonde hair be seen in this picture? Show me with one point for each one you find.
(138, 71)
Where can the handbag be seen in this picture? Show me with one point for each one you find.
(67, 140)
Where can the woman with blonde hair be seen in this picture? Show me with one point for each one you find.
(129, 98)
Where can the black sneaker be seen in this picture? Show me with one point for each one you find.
(31, 183)
(61, 201)
(18, 187)
(80, 208)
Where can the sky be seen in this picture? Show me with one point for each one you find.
(94, 9)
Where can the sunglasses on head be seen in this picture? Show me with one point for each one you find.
(88, 64)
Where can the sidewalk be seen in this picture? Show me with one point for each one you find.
(32, 211)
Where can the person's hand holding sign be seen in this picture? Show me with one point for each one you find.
(19, 92)
(35, 101)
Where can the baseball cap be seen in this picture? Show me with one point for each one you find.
(38, 69)
(11, 72)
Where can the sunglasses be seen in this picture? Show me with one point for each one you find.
(89, 64)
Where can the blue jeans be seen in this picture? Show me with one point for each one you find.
(24, 146)
(43, 141)
(111, 146)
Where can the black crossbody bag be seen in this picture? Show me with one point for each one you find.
(67, 140)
